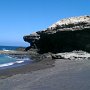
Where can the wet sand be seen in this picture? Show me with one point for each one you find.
(61, 74)
(28, 67)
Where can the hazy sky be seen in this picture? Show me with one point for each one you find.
(22, 17)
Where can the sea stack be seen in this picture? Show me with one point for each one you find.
(63, 36)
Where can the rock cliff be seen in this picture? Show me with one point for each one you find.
(65, 35)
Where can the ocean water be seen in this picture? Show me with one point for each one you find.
(8, 61)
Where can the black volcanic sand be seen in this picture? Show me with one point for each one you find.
(60, 74)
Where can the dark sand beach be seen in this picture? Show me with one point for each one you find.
(59, 74)
(44, 44)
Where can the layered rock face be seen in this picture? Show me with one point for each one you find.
(65, 35)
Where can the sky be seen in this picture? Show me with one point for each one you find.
(23, 17)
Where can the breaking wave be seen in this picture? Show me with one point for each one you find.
(15, 62)
(11, 63)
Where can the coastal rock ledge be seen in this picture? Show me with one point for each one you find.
(63, 36)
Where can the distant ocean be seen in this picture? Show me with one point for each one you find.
(8, 61)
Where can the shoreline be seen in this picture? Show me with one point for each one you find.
(39, 61)
(49, 73)
(21, 58)
(28, 67)
(60, 74)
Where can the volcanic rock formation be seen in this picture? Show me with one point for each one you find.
(65, 35)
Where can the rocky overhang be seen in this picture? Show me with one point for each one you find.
(65, 35)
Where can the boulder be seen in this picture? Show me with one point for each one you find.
(65, 35)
